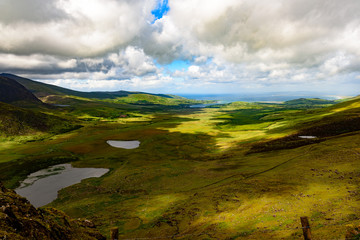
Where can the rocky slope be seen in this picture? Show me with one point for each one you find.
(20, 220)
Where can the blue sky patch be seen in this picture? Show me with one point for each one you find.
(162, 7)
(178, 65)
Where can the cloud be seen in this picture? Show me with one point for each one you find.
(128, 63)
(35, 11)
(267, 43)
(228, 42)
(134, 62)
(97, 83)
(299, 32)
(71, 28)
(34, 62)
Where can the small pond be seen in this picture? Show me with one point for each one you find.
(41, 187)
(124, 144)
(307, 137)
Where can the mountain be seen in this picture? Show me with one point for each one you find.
(15, 120)
(43, 90)
(11, 92)
(20, 220)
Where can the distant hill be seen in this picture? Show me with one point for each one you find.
(42, 90)
(18, 121)
(337, 119)
(309, 102)
(11, 91)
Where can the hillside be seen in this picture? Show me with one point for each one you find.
(328, 122)
(20, 220)
(309, 103)
(11, 92)
(19, 121)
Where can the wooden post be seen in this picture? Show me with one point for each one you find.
(306, 228)
(114, 233)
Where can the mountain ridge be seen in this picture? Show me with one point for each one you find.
(40, 90)
(11, 91)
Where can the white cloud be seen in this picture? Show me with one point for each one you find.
(337, 63)
(87, 85)
(97, 83)
(134, 61)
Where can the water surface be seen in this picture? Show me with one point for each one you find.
(307, 137)
(124, 144)
(41, 187)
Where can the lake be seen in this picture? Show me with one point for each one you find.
(42, 187)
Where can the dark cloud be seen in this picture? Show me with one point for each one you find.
(24, 11)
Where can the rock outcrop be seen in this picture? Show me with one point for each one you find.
(20, 220)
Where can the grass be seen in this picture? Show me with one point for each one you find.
(194, 176)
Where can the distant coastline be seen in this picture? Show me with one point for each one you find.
(261, 97)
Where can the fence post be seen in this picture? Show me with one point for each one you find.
(306, 228)
(114, 233)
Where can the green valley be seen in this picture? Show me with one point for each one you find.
(229, 171)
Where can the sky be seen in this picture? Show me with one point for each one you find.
(184, 46)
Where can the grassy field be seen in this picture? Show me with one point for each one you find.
(234, 171)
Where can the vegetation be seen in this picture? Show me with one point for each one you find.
(309, 103)
(234, 171)
(19, 121)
